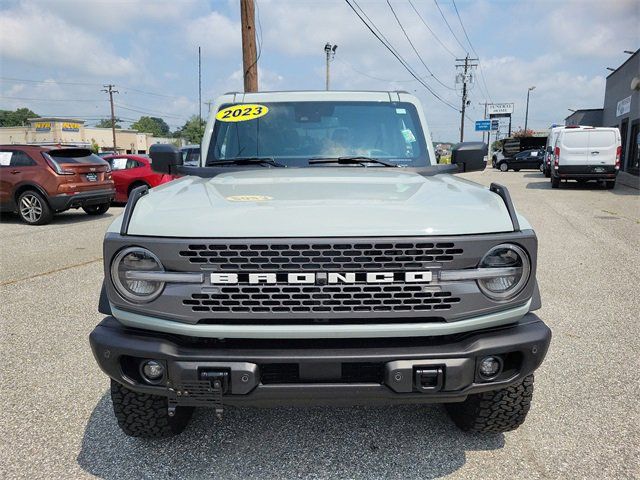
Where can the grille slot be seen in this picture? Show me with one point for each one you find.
(321, 299)
(320, 256)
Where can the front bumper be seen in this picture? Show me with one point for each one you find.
(82, 199)
(323, 371)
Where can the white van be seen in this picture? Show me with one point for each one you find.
(586, 153)
(551, 141)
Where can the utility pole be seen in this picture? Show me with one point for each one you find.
(199, 87)
(485, 116)
(330, 51)
(109, 89)
(249, 55)
(526, 115)
(466, 78)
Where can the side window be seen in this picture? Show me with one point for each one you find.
(16, 159)
(132, 164)
(118, 163)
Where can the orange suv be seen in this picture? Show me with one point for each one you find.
(37, 181)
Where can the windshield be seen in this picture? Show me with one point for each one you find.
(292, 133)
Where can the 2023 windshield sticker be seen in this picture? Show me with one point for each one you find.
(242, 112)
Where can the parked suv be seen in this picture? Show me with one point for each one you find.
(319, 255)
(37, 182)
(587, 153)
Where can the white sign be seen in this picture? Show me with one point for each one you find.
(5, 158)
(494, 108)
(624, 106)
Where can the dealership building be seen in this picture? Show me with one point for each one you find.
(621, 109)
(69, 131)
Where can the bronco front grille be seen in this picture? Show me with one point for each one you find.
(321, 299)
(320, 256)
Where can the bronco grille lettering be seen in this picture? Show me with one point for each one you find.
(309, 278)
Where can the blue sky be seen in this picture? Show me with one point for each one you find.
(56, 54)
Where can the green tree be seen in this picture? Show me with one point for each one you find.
(95, 148)
(192, 131)
(106, 123)
(10, 118)
(154, 125)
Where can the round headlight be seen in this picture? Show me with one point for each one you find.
(124, 267)
(511, 274)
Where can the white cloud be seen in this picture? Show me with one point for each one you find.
(33, 36)
(218, 35)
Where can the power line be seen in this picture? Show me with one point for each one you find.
(414, 48)
(429, 28)
(372, 76)
(449, 26)
(53, 99)
(389, 47)
(135, 108)
(486, 90)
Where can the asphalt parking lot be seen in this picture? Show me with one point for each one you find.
(56, 419)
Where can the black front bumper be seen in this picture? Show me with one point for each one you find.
(340, 371)
(82, 199)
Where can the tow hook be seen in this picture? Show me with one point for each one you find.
(424, 376)
(219, 380)
(428, 379)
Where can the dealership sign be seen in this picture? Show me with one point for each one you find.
(624, 106)
(43, 126)
(70, 127)
(493, 108)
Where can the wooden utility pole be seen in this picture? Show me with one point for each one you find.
(249, 54)
(466, 78)
(109, 89)
(199, 87)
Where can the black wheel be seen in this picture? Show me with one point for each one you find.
(33, 208)
(541, 167)
(96, 209)
(146, 416)
(496, 411)
(610, 184)
(493, 163)
(555, 182)
(504, 167)
(516, 169)
(547, 172)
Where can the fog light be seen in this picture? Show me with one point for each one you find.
(490, 367)
(152, 371)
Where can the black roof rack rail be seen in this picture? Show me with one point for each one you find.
(135, 195)
(506, 198)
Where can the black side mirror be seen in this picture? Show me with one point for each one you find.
(165, 158)
(469, 156)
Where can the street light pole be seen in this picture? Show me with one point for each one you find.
(330, 51)
(526, 115)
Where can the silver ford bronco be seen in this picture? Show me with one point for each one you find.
(318, 254)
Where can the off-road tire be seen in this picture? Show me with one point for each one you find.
(494, 412)
(146, 416)
(33, 208)
(555, 182)
(97, 209)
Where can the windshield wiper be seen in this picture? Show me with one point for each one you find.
(247, 161)
(360, 160)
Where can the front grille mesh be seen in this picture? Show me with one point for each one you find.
(346, 256)
(321, 299)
